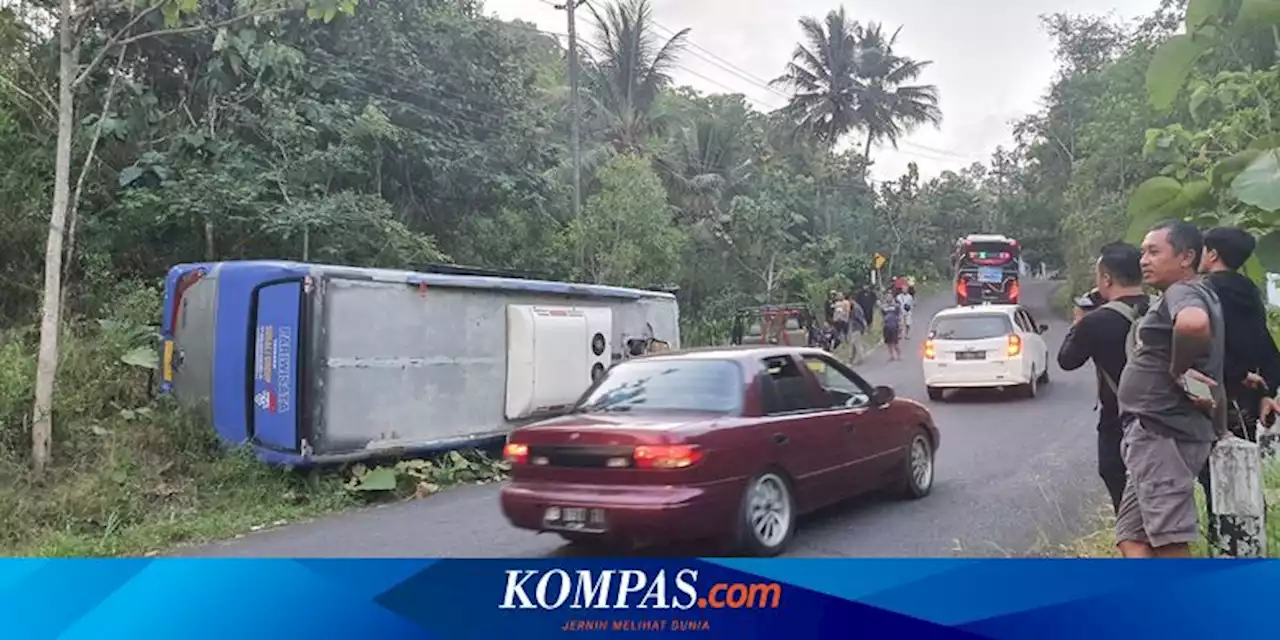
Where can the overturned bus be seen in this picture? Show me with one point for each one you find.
(311, 364)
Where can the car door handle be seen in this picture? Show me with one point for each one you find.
(780, 438)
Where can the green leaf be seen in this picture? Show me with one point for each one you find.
(314, 13)
(1268, 253)
(1254, 270)
(1199, 12)
(129, 175)
(1198, 98)
(1269, 141)
(1197, 193)
(1227, 169)
(1259, 13)
(1259, 183)
(190, 5)
(380, 479)
(1170, 67)
(144, 357)
(1154, 200)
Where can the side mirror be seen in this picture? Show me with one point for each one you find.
(1044, 328)
(882, 396)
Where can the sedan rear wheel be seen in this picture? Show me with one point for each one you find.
(768, 517)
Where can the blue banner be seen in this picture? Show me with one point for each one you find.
(402, 599)
(275, 366)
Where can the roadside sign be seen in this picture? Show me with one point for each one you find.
(878, 261)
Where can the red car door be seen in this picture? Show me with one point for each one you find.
(870, 440)
(800, 440)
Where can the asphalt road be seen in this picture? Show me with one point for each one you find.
(1014, 477)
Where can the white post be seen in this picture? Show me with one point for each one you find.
(1239, 509)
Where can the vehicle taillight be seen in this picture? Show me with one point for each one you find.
(1013, 292)
(929, 352)
(515, 453)
(1015, 345)
(676, 456)
(961, 289)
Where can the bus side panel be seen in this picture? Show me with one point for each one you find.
(234, 342)
(276, 410)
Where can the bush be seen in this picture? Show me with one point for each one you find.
(130, 473)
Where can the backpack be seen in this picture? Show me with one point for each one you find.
(1130, 340)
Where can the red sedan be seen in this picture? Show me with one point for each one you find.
(729, 444)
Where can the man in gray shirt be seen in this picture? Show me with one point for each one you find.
(1170, 429)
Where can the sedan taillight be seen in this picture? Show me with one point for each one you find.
(515, 453)
(676, 456)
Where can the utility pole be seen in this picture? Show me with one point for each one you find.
(574, 134)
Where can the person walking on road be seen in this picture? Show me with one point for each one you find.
(1171, 398)
(840, 316)
(1251, 365)
(906, 299)
(1099, 335)
(891, 313)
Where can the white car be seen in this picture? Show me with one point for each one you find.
(985, 346)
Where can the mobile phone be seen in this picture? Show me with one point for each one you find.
(1196, 388)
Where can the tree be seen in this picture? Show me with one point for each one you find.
(888, 107)
(824, 78)
(630, 68)
(159, 19)
(627, 228)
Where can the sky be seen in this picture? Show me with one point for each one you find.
(992, 61)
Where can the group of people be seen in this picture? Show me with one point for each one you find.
(1175, 374)
(848, 314)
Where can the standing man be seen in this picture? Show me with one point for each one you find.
(867, 300)
(1251, 366)
(1171, 399)
(1099, 335)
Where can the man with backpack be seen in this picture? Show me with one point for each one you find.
(1099, 335)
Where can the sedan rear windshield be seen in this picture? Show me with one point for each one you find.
(668, 385)
(972, 327)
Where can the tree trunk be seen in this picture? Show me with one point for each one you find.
(866, 155)
(208, 241)
(47, 360)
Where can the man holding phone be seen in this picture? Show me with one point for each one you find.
(1101, 326)
(1171, 398)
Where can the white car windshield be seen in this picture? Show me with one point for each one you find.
(972, 327)
(668, 385)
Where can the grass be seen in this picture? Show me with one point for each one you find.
(1101, 543)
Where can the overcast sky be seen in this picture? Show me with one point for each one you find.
(991, 59)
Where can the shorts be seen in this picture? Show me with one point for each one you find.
(891, 335)
(1158, 506)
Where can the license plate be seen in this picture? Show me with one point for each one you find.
(574, 518)
(993, 275)
(971, 355)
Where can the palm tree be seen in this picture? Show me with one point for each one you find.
(849, 78)
(887, 106)
(629, 68)
(824, 79)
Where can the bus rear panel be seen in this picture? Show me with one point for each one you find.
(987, 270)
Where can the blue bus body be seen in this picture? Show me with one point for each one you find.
(258, 348)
